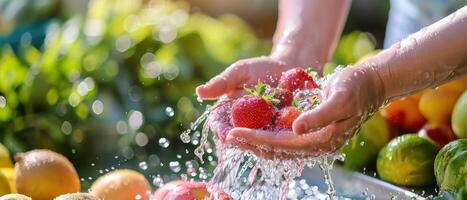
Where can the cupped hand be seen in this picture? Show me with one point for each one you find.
(349, 98)
(232, 81)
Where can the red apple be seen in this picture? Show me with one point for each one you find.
(440, 134)
(183, 190)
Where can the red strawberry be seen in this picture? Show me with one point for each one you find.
(284, 96)
(286, 116)
(296, 78)
(252, 112)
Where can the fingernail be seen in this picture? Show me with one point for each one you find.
(301, 128)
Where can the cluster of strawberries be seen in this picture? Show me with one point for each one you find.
(268, 107)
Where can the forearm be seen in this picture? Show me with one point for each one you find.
(430, 57)
(308, 30)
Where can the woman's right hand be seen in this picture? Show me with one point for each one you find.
(233, 80)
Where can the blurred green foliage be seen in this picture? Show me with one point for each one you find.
(100, 79)
(111, 83)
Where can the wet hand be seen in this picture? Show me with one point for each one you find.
(349, 98)
(231, 82)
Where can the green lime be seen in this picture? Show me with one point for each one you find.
(459, 117)
(362, 150)
(451, 166)
(407, 160)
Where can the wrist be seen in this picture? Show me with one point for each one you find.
(373, 84)
(293, 53)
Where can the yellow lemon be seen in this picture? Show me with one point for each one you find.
(4, 185)
(9, 172)
(5, 159)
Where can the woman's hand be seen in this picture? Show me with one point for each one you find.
(242, 73)
(297, 42)
(350, 97)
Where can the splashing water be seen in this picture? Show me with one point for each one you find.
(185, 136)
(246, 176)
(164, 143)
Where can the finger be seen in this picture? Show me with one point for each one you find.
(321, 116)
(219, 120)
(231, 79)
(318, 141)
(266, 154)
(254, 150)
(256, 137)
(334, 136)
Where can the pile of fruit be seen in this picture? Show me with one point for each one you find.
(275, 108)
(419, 140)
(46, 175)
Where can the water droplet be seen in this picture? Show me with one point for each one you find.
(154, 160)
(185, 137)
(203, 175)
(138, 197)
(97, 107)
(66, 128)
(158, 181)
(121, 127)
(123, 43)
(179, 156)
(184, 177)
(92, 164)
(141, 139)
(362, 143)
(152, 69)
(169, 111)
(135, 120)
(2, 102)
(143, 165)
(199, 99)
(164, 143)
(175, 166)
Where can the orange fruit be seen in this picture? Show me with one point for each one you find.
(43, 175)
(404, 115)
(459, 85)
(121, 184)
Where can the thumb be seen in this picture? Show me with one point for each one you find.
(321, 116)
(226, 82)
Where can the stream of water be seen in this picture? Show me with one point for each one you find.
(246, 176)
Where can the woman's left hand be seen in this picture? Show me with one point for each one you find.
(350, 97)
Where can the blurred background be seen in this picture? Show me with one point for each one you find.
(110, 83)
